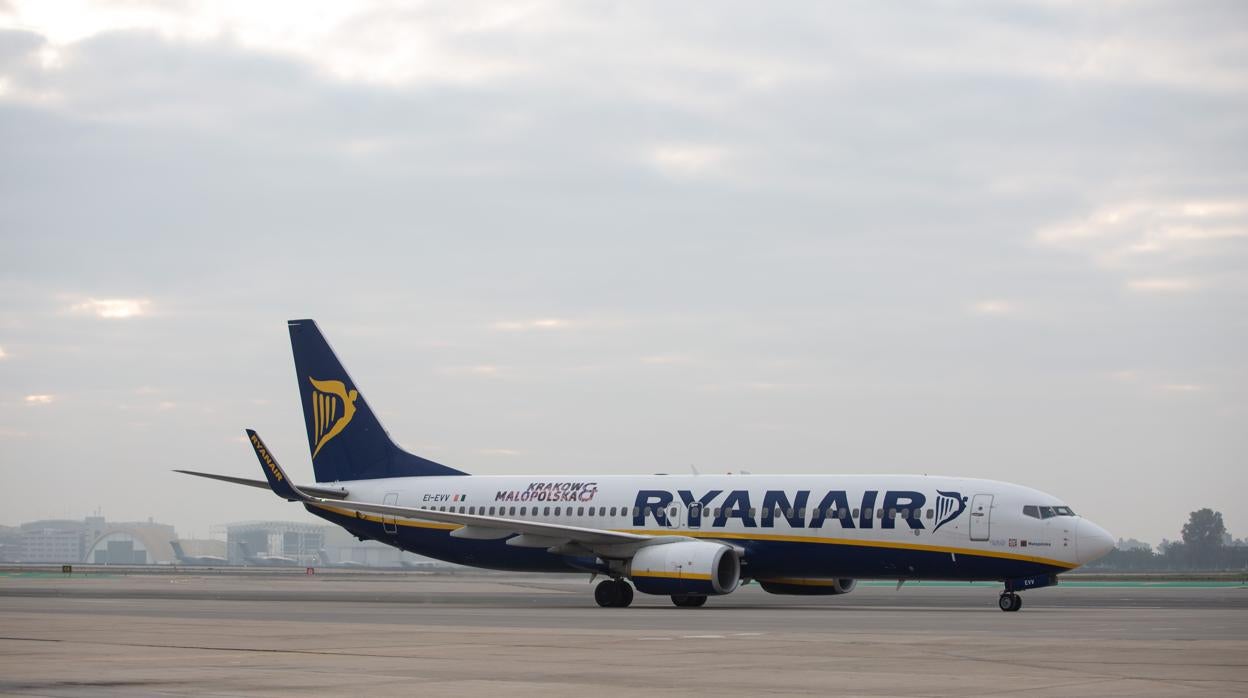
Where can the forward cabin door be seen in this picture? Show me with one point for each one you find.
(981, 516)
(388, 522)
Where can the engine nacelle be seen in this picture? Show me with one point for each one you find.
(794, 586)
(686, 567)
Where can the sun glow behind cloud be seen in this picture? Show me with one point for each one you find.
(112, 308)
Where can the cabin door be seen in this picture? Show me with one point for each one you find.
(981, 516)
(693, 515)
(388, 522)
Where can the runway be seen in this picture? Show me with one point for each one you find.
(335, 634)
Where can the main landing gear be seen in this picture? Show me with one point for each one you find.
(613, 593)
(688, 601)
(1010, 601)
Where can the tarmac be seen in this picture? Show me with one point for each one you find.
(514, 635)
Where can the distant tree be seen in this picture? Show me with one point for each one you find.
(1202, 536)
(1133, 544)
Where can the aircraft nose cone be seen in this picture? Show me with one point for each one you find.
(1094, 542)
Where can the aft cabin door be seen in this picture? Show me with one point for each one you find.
(388, 522)
(981, 516)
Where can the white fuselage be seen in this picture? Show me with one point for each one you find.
(886, 515)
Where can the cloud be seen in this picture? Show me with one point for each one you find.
(993, 307)
(1182, 388)
(665, 359)
(478, 370)
(527, 325)
(1174, 285)
(39, 399)
(688, 160)
(498, 452)
(1153, 239)
(112, 308)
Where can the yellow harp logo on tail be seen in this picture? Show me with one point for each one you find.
(333, 406)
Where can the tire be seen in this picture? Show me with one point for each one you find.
(684, 601)
(1018, 603)
(1006, 602)
(607, 594)
(626, 593)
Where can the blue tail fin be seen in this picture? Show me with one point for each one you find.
(345, 438)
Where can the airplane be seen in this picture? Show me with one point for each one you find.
(266, 559)
(688, 537)
(196, 559)
(323, 557)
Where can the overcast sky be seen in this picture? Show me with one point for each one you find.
(983, 239)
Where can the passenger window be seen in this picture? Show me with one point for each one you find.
(931, 514)
(905, 513)
(879, 514)
(648, 511)
(580, 511)
(491, 511)
(766, 513)
(637, 511)
(892, 513)
(751, 512)
(715, 512)
(788, 513)
(613, 511)
(546, 511)
(1031, 510)
(523, 510)
(801, 513)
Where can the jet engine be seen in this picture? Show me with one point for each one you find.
(696, 568)
(793, 586)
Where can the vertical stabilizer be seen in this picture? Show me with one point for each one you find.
(345, 438)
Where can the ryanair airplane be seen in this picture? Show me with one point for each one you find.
(688, 537)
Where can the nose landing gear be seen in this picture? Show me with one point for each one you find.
(1010, 601)
(613, 593)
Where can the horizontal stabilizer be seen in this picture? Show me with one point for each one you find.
(319, 492)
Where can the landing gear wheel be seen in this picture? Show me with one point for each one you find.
(607, 594)
(1010, 602)
(626, 593)
(613, 593)
(684, 601)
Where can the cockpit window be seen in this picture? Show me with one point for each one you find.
(1041, 512)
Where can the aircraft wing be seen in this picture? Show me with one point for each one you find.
(488, 527)
(528, 534)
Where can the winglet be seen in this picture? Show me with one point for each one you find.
(278, 481)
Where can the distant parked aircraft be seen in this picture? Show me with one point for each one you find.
(185, 559)
(326, 562)
(266, 559)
